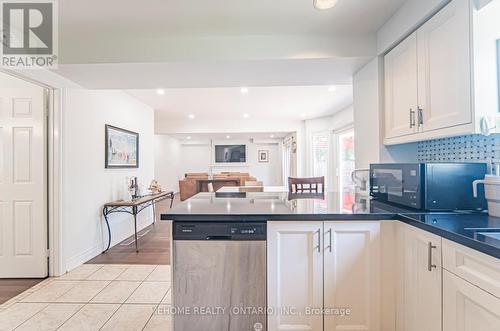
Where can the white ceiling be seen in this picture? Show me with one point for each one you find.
(260, 103)
(195, 138)
(157, 18)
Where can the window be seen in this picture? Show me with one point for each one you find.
(320, 155)
(346, 166)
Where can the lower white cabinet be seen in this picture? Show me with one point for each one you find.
(294, 275)
(323, 275)
(467, 307)
(419, 280)
(352, 275)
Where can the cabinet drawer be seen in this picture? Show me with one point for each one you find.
(467, 307)
(480, 269)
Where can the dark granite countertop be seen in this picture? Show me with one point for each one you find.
(475, 230)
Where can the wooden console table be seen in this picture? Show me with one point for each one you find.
(134, 207)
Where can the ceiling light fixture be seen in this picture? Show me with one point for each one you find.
(244, 90)
(188, 137)
(246, 115)
(227, 137)
(191, 116)
(332, 89)
(272, 136)
(324, 4)
(303, 114)
(160, 91)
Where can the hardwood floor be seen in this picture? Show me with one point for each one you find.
(9, 288)
(154, 245)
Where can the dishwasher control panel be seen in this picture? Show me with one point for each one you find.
(219, 231)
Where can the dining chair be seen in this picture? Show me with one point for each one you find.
(306, 185)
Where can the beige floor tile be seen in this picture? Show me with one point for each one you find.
(116, 292)
(167, 299)
(160, 321)
(108, 272)
(50, 318)
(130, 318)
(90, 318)
(160, 274)
(84, 291)
(18, 313)
(149, 292)
(51, 292)
(82, 272)
(136, 272)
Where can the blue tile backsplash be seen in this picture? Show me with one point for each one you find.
(469, 148)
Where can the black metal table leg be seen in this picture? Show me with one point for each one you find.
(153, 203)
(134, 211)
(105, 214)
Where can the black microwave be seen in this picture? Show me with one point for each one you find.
(428, 186)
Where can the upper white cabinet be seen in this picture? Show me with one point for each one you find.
(428, 79)
(400, 66)
(444, 68)
(295, 274)
(418, 280)
(352, 275)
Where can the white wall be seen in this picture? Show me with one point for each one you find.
(198, 158)
(411, 15)
(168, 162)
(87, 185)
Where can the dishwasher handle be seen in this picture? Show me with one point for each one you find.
(219, 238)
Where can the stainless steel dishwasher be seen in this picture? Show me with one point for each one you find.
(219, 272)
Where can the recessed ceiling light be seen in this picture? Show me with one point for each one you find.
(246, 115)
(303, 114)
(272, 136)
(160, 91)
(244, 90)
(227, 137)
(332, 89)
(324, 4)
(188, 137)
(191, 116)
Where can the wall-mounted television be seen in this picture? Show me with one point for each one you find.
(230, 153)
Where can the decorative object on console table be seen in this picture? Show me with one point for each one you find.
(263, 156)
(154, 187)
(122, 148)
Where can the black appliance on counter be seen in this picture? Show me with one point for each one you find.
(428, 186)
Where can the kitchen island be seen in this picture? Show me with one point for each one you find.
(328, 253)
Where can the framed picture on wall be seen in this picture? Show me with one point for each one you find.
(263, 156)
(122, 148)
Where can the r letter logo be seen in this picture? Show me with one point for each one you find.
(29, 34)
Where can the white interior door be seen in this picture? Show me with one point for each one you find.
(23, 212)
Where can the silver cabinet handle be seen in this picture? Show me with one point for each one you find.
(330, 247)
(412, 118)
(429, 257)
(420, 116)
(319, 241)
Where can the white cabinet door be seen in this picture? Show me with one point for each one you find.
(421, 294)
(352, 275)
(23, 212)
(401, 89)
(444, 68)
(295, 275)
(467, 307)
